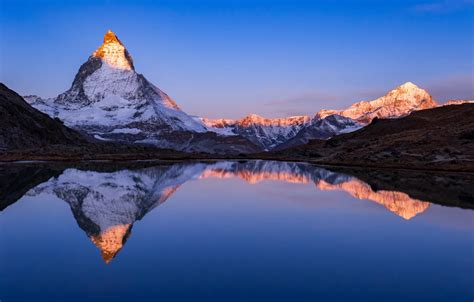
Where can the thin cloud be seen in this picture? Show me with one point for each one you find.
(442, 6)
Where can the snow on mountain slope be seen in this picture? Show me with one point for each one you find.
(292, 131)
(457, 102)
(283, 132)
(399, 102)
(264, 132)
(109, 100)
(322, 128)
(107, 92)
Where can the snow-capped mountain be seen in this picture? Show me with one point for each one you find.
(288, 132)
(107, 204)
(108, 97)
(458, 102)
(264, 132)
(322, 128)
(399, 102)
(111, 101)
(276, 133)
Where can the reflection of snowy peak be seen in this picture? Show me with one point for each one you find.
(396, 202)
(107, 204)
(256, 171)
(397, 103)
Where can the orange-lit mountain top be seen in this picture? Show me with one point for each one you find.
(114, 53)
(396, 103)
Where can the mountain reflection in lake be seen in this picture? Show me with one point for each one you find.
(301, 231)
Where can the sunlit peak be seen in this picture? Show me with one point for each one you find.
(113, 53)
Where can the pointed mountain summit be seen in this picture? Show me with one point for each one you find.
(114, 53)
(108, 81)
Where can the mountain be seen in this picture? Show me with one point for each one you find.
(280, 133)
(458, 102)
(277, 133)
(437, 138)
(321, 128)
(109, 98)
(111, 101)
(264, 132)
(399, 102)
(23, 127)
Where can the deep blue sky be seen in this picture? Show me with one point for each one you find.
(231, 58)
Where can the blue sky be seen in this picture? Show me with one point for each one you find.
(231, 58)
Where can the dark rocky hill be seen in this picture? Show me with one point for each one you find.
(22, 126)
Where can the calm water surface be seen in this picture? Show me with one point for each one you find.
(233, 231)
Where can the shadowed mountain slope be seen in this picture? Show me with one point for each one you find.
(22, 126)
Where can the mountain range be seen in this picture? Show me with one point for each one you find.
(108, 100)
(440, 138)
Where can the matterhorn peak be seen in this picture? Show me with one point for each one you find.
(111, 37)
(114, 53)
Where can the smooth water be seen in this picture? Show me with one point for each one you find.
(233, 231)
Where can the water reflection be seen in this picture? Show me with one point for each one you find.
(107, 201)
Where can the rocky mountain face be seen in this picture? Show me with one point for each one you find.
(278, 133)
(399, 102)
(111, 101)
(321, 128)
(264, 132)
(24, 127)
